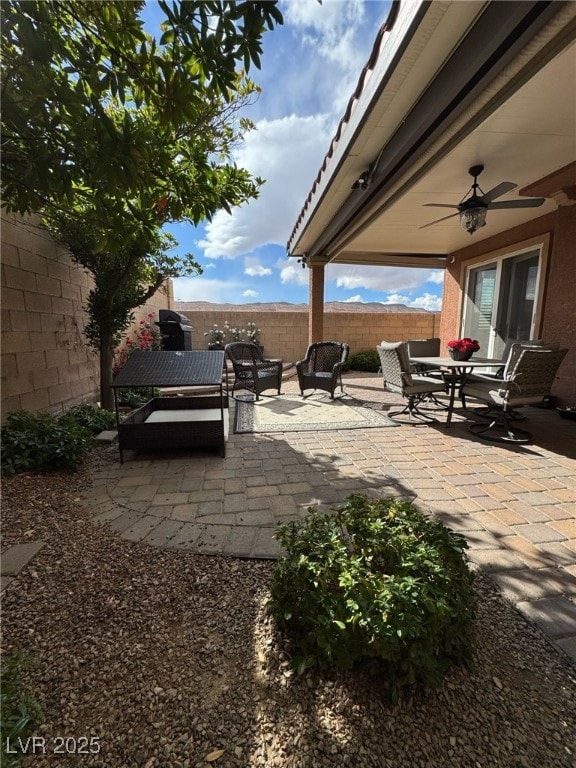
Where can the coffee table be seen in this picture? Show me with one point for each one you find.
(173, 422)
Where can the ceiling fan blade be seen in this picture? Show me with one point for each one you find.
(499, 190)
(438, 205)
(439, 220)
(532, 202)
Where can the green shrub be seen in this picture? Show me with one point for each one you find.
(375, 580)
(94, 419)
(40, 441)
(19, 713)
(134, 398)
(365, 360)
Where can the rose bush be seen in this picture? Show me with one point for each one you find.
(145, 336)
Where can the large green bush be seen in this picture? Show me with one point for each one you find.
(40, 441)
(365, 360)
(375, 580)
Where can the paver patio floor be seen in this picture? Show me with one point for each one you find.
(516, 505)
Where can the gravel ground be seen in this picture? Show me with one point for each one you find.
(169, 660)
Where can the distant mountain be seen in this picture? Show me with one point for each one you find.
(285, 306)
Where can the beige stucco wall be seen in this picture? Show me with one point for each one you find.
(46, 363)
(285, 334)
(557, 322)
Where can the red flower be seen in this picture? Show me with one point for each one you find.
(464, 345)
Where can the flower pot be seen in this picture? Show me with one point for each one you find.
(456, 354)
(216, 346)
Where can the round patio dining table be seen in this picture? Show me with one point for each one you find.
(456, 373)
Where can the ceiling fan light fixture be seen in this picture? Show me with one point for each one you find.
(472, 219)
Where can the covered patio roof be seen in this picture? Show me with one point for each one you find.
(449, 85)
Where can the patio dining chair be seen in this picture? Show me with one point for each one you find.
(397, 377)
(426, 348)
(512, 352)
(528, 382)
(251, 370)
(321, 368)
(423, 348)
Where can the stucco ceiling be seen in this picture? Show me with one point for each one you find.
(521, 129)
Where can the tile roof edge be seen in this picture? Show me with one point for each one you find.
(364, 77)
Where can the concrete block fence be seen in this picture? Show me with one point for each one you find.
(46, 363)
(285, 334)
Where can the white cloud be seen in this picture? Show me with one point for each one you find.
(437, 276)
(249, 294)
(330, 30)
(427, 301)
(210, 265)
(253, 267)
(292, 272)
(374, 278)
(334, 40)
(287, 152)
(353, 299)
(395, 298)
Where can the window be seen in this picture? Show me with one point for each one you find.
(501, 300)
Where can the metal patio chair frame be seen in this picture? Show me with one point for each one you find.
(528, 383)
(398, 377)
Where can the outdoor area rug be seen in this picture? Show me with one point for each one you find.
(316, 413)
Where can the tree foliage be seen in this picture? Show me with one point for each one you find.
(67, 64)
(111, 135)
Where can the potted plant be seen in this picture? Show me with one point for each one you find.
(253, 335)
(462, 349)
(216, 337)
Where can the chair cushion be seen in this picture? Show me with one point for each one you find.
(424, 384)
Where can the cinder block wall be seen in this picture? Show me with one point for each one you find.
(285, 334)
(46, 363)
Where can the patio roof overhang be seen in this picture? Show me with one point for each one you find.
(452, 85)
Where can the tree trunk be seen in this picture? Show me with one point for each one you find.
(106, 363)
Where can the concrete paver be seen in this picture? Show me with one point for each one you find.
(17, 557)
(516, 505)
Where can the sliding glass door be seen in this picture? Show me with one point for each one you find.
(500, 302)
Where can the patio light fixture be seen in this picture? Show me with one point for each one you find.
(473, 218)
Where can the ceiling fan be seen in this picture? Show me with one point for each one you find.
(472, 209)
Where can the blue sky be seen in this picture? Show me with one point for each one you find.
(310, 68)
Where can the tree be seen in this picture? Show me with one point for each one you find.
(111, 135)
(66, 62)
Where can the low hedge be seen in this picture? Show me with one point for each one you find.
(365, 360)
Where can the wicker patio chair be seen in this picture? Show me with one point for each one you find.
(252, 371)
(397, 377)
(321, 368)
(528, 382)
